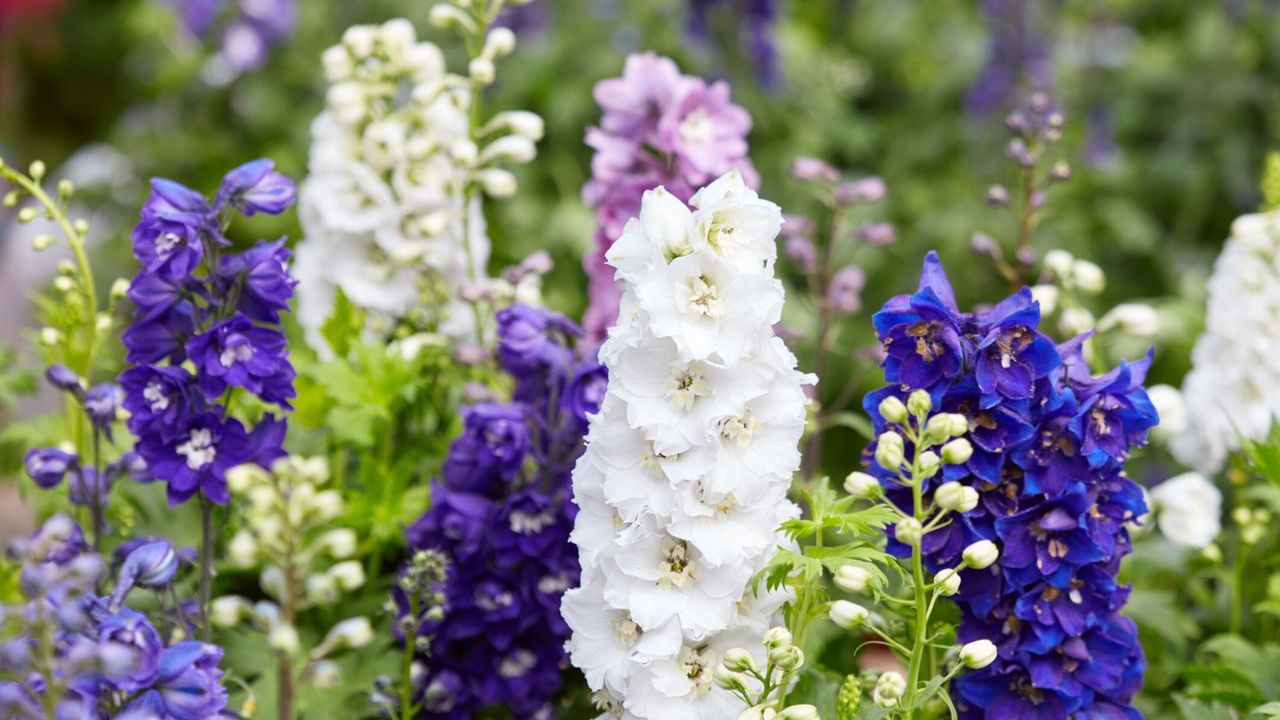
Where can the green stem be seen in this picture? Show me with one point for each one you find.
(1237, 590)
(206, 565)
(922, 605)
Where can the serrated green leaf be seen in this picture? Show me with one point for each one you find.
(1192, 709)
(342, 329)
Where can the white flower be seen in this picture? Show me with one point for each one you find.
(1188, 510)
(1171, 408)
(1134, 319)
(1233, 389)
(683, 484)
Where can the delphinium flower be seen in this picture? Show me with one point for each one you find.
(1018, 55)
(72, 653)
(245, 30)
(659, 128)
(306, 560)
(1233, 388)
(684, 481)
(754, 22)
(206, 325)
(399, 160)
(500, 520)
(1049, 444)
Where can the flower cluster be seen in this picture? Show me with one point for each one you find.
(1233, 388)
(389, 211)
(1049, 444)
(1018, 55)
(207, 322)
(687, 468)
(755, 22)
(501, 518)
(289, 530)
(248, 29)
(76, 654)
(659, 128)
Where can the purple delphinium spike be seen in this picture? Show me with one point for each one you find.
(501, 517)
(1050, 442)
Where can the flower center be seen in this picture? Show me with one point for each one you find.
(517, 664)
(723, 235)
(494, 600)
(703, 298)
(740, 429)
(198, 449)
(926, 346)
(530, 524)
(697, 664)
(166, 242)
(697, 127)
(155, 396)
(625, 628)
(651, 460)
(684, 389)
(234, 353)
(676, 568)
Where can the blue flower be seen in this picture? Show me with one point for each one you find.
(922, 332)
(525, 339)
(1012, 355)
(235, 352)
(48, 466)
(132, 631)
(162, 336)
(256, 187)
(170, 249)
(261, 277)
(196, 458)
(493, 446)
(189, 681)
(158, 398)
(1115, 413)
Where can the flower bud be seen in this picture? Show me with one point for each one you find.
(929, 463)
(728, 679)
(242, 549)
(152, 565)
(27, 214)
(776, 637)
(1134, 319)
(908, 531)
(81, 226)
(956, 497)
(861, 485)
(325, 674)
(1047, 296)
(229, 610)
(516, 148)
(799, 712)
(853, 578)
(1088, 276)
(37, 170)
(998, 196)
(397, 35)
(443, 15)
(481, 70)
(322, 589)
(893, 410)
(919, 403)
(326, 505)
(500, 42)
(809, 169)
(339, 543)
(848, 615)
(337, 64)
(889, 690)
(889, 451)
(948, 581)
(978, 654)
(348, 574)
(48, 466)
(878, 234)
(1059, 263)
(498, 183)
(957, 452)
(758, 712)
(272, 581)
(350, 633)
(44, 242)
(739, 660)
(981, 554)
(787, 658)
(1074, 321)
(283, 638)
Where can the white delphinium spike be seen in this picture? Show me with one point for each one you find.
(683, 484)
(1233, 389)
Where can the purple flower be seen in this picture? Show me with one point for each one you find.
(64, 378)
(158, 397)
(196, 458)
(585, 391)
(457, 523)
(493, 446)
(1049, 537)
(132, 631)
(48, 466)
(189, 681)
(1012, 355)
(88, 488)
(102, 403)
(705, 131)
(525, 342)
(162, 336)
(256, 187)
(168, 248)
(261, 276)
(235, 352)
(845, 291)
(1115, 413)
(921, 332)
(150, 565)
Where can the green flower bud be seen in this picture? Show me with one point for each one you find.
(948, 581)
(919, 403)
(727, 679)
(909, 531)
(957, 452)
(776, 637)
(893, 410)
(978, 654)
(739, 660)
(799, 712)
(889, 690)
(853, 578)
(849, 698)
(889, 451)
(848, 615)
(861, 485)
(956, 497)
(929, 464)
(787, 658)
(981, 554)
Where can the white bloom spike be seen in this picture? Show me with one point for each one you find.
(683, 484)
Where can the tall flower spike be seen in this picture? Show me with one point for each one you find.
(659, 128)
(1048, 446)
(1233, 389)
(688, 464)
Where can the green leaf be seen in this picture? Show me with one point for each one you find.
(817, 686)
(1196, 710)
(857, 422)
(342, 329)
(1271, 710)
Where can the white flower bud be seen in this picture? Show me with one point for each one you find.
(337, 64)
(326, 505)
(728, 679)
(360, 39)
(242, 550)
(1060, 263)
(229, 610)
(1172, 409)
(50, 336)
(948, 581)
(929, 463)
(861, 485)
(500, 42)
(893, 410)
(799, 712)
(1074, 321)
(848, 615)
(350, 633)
(978, 654)
(272, 581)
(956, 497)
(346, 101)
(397, 36)
(340, 543)
(957, 452)
(853, 578)
(37, 170)
(521, 122)
(241, 477)
(1088, 276)
(981, 554)
(283, 638)
(516, 148)
(498, 183)
(481, 70)
(889, 690)
(27, 214)
(758, 712)
(325, 674)
(739, 660)
(348, 574)
(42, 242)
(1047, 296)
(787, 657)
(443, 15)
(776, 637)
(908, 531)
(62, 283)
(919, 403)
(119, 288)
(1134, 319)
(464, 152)
(889, 451)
